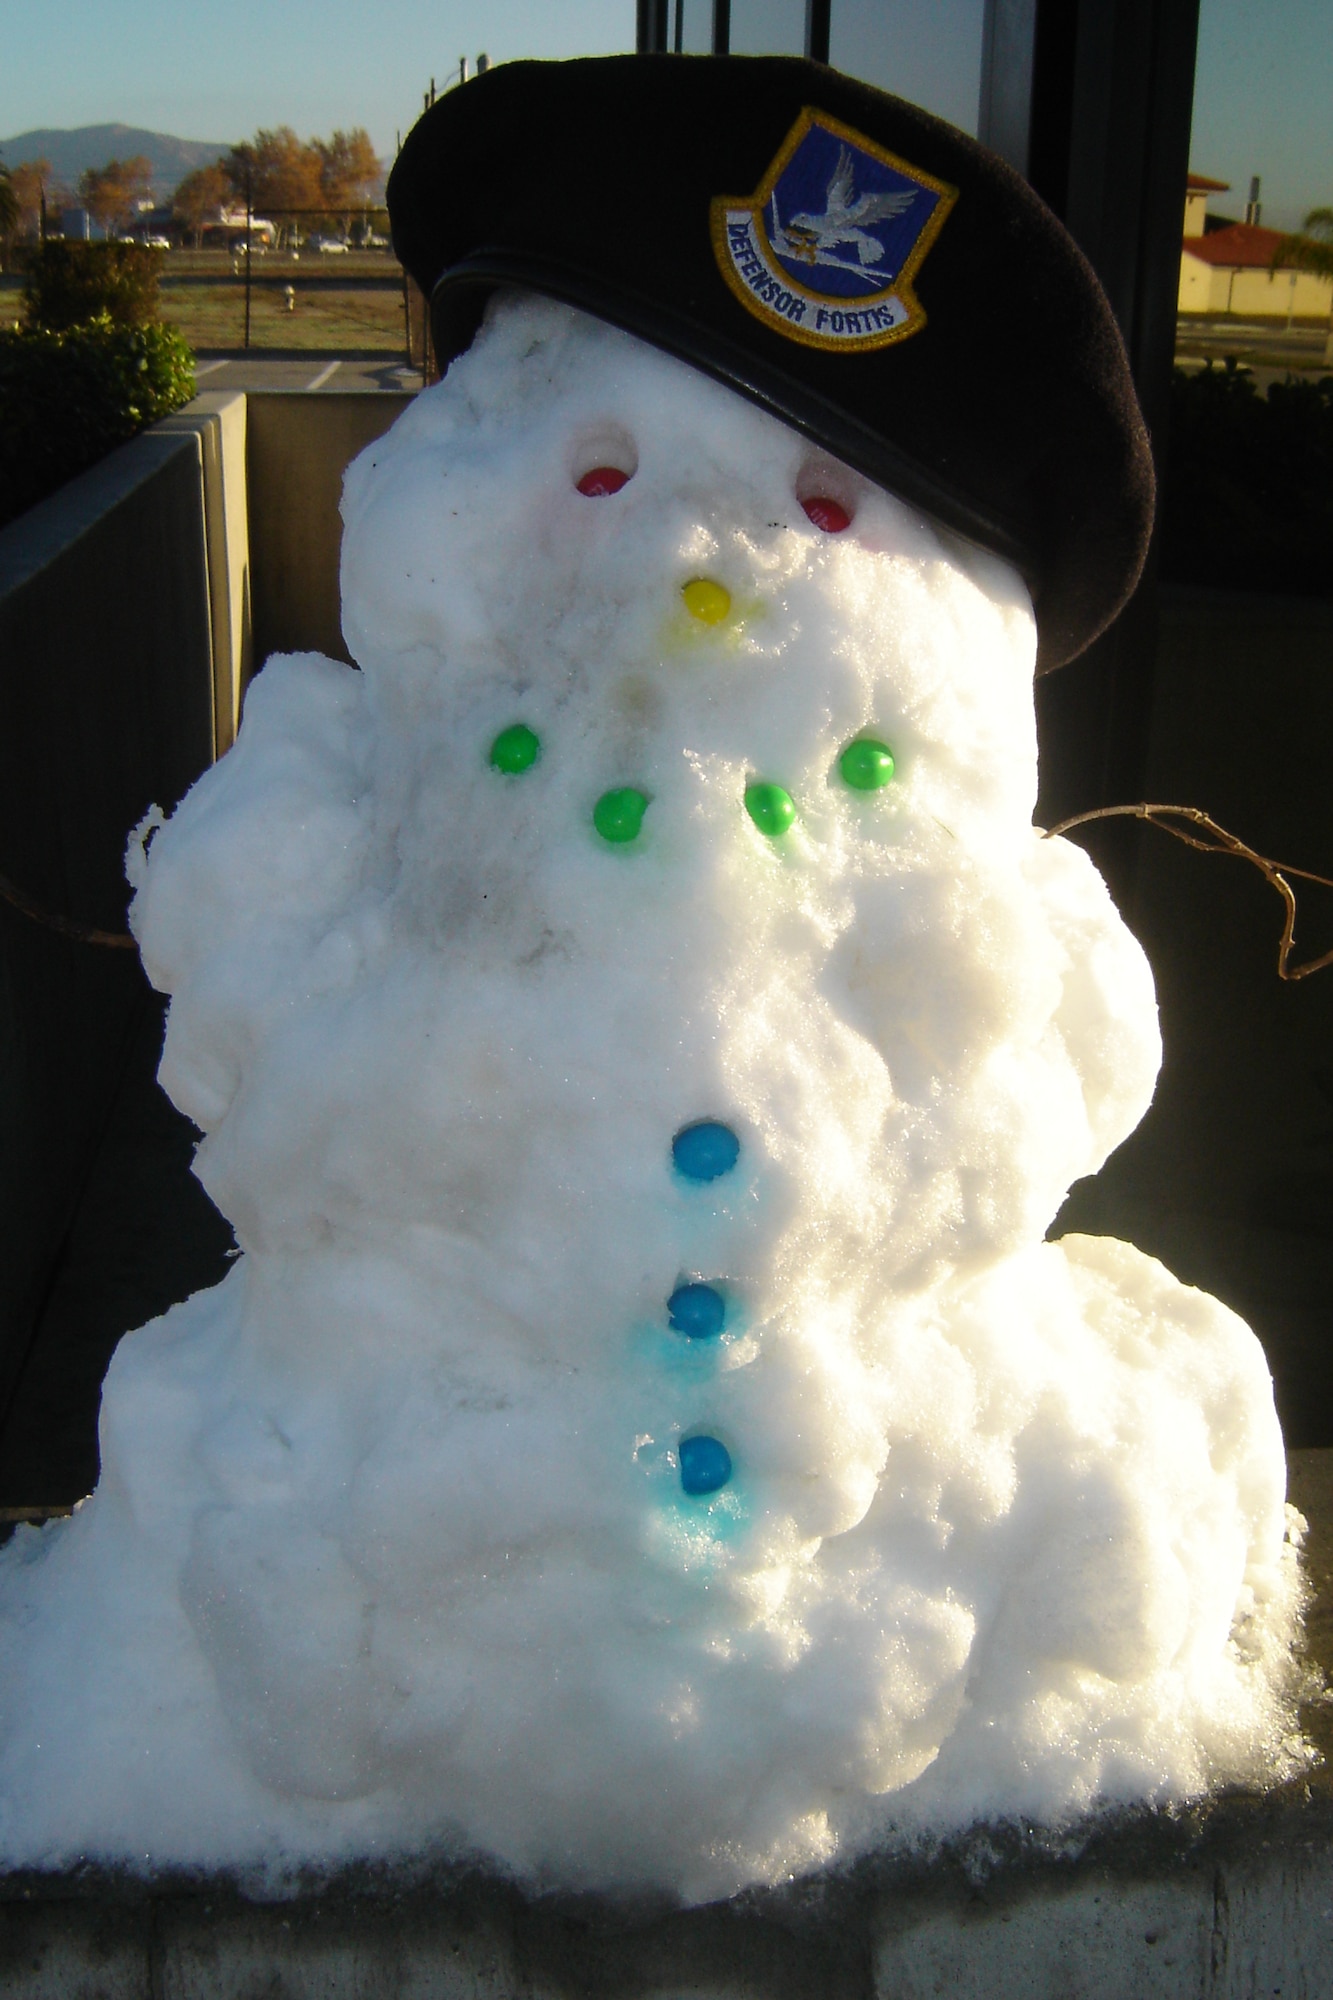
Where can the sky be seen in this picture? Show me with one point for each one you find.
(221, 72)
(1263, 104)
(1263, 97)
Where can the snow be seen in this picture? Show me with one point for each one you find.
(391, 1551)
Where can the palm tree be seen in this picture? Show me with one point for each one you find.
(1311, 249)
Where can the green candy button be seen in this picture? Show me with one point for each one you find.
(771, 809)
(866, 764)
(516, 749)
(618, 815)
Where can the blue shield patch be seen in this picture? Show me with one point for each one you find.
(825, 249)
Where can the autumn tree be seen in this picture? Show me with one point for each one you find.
(111, 194)
(349, 171)
(200, 198)
(31, 182)
(9, 211)
(276, 172)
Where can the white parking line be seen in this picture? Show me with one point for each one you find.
(207, 368)
(322, 377)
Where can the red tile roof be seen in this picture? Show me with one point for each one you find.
(1241, 245)
(1200, 184)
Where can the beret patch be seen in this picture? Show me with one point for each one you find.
(826, 247)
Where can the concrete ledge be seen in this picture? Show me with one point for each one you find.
(218, 421)
(108, 694)
(1225, 1904)
(1227, 1901)
(297, 449)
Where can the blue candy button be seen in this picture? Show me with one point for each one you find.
(704, 1151)
(697, 1310)
(705, 1464)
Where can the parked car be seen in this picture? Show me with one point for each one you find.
(329, 246)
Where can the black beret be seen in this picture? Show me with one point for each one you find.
(856, 266)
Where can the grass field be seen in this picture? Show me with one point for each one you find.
(347, 303)
(326, 315)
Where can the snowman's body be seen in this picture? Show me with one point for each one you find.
(394, 1543)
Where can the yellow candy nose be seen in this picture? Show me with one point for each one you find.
(706, 600)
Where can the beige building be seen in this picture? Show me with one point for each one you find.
(1230, 270)
(1197, 190)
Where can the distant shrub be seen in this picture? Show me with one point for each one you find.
(69, 284)
(1248, 499)
(66, 398)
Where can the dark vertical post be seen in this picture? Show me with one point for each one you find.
(817, 23)
(249, 219)
(1133, 87)
(650, 37)
(1113, 87)
(1004, 115)
(721, 27)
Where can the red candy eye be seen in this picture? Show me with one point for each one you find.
(827, 514)
(603, 480)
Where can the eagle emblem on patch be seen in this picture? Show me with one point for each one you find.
(826, 247)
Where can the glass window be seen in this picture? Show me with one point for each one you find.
(690, 27)
(768, 27)
(929, 55)
(1262, 89)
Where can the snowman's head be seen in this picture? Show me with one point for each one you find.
(577, 532)
(886, 286)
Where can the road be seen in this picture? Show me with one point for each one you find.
(1269, 350)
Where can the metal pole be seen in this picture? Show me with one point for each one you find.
(249, 218)
(721, 27)
(817, 23)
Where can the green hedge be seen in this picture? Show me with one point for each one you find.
(1248, 499)
(66, 398)
(68, 284)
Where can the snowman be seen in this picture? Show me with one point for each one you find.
(641, 1040)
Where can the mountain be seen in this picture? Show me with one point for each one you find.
(72, 152)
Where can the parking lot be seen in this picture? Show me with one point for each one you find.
(316, 374)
